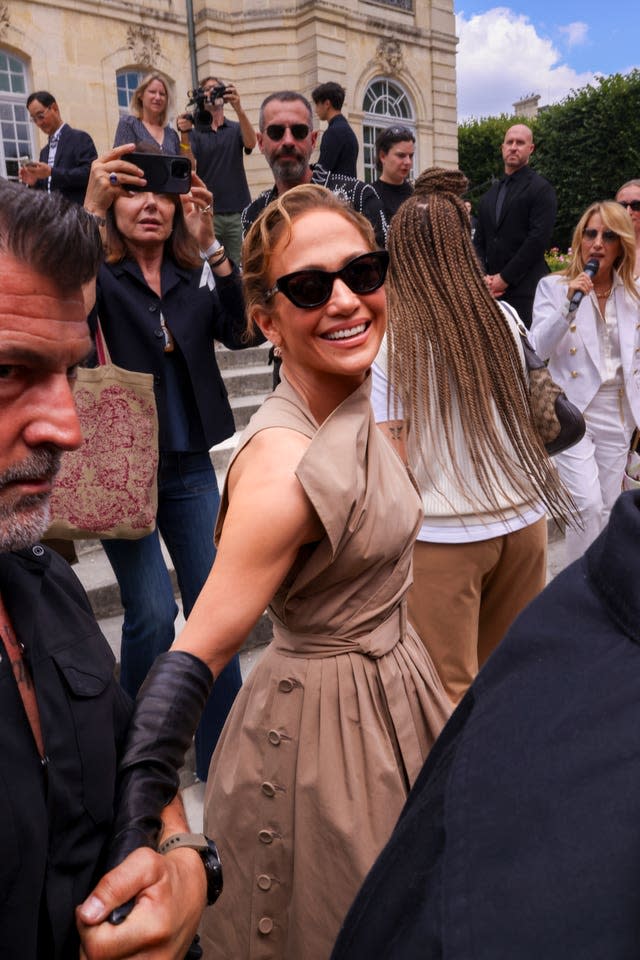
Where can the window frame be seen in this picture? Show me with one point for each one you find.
(127, 73)
(20, 140)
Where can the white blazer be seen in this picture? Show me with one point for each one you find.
(572, 346)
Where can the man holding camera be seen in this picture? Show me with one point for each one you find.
(217, 146)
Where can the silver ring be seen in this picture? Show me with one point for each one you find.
(206, 209)
(113, 179)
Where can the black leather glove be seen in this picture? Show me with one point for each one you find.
(166, 714)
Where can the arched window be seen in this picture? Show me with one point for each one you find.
(385, 103)
(126, 84)
(16, 139)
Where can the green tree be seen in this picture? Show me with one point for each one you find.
(588, 145)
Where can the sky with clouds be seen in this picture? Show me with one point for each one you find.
(539, 46)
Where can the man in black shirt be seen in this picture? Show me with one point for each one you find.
(63, 716)
(339, 144)
(219, 151)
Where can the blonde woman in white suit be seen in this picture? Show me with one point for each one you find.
(594, 354)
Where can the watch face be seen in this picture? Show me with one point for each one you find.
(213, 869)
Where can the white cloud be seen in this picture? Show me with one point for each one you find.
(501, 58)
(575, 33)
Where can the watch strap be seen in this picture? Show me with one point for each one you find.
(195, 841)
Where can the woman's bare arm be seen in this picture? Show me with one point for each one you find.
(269, 518)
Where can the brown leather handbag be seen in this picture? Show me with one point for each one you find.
(558, 421)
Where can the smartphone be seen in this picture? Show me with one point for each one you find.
(163, 173)
(27, 162)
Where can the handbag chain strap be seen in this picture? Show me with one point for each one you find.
(23, 677)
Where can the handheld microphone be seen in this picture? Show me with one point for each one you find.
(591, 268)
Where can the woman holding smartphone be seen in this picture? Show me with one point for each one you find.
(157, 316)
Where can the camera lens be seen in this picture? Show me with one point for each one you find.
(180, 168)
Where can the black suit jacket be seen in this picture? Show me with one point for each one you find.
(521, 836)
(514, 245)
(74, 156)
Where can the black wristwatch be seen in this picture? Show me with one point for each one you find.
(208, 853)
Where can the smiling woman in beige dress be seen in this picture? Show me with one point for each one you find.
(317, 523)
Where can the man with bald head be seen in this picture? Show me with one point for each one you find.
(516, 217)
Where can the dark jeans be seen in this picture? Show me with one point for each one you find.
(188, 501)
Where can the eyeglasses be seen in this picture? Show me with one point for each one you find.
(632, 204)
(608, 236)
(311, 288)
(276, 131)
(39, 117)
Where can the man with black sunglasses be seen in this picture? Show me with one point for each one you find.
(286, 138)
(628, 196)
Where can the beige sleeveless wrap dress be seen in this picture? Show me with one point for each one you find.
(333, 725)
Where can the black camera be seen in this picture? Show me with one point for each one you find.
(163, 173)
(201, 118)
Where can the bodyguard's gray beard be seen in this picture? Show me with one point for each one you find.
(24, 521)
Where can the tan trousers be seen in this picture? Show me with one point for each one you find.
(465, 596)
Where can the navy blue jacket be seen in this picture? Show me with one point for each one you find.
(74, 155)
(521, 836)
(54, 822)
(129, 314)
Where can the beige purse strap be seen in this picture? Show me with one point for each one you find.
(23, 677)
(102, 349)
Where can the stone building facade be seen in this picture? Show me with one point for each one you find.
(396, 59)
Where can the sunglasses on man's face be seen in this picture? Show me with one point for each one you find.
(311, 288)
(608, 236)
(276, 131)
(632, 204)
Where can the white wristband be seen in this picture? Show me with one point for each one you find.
(209, 252)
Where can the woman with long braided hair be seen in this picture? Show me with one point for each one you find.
(450, 387)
